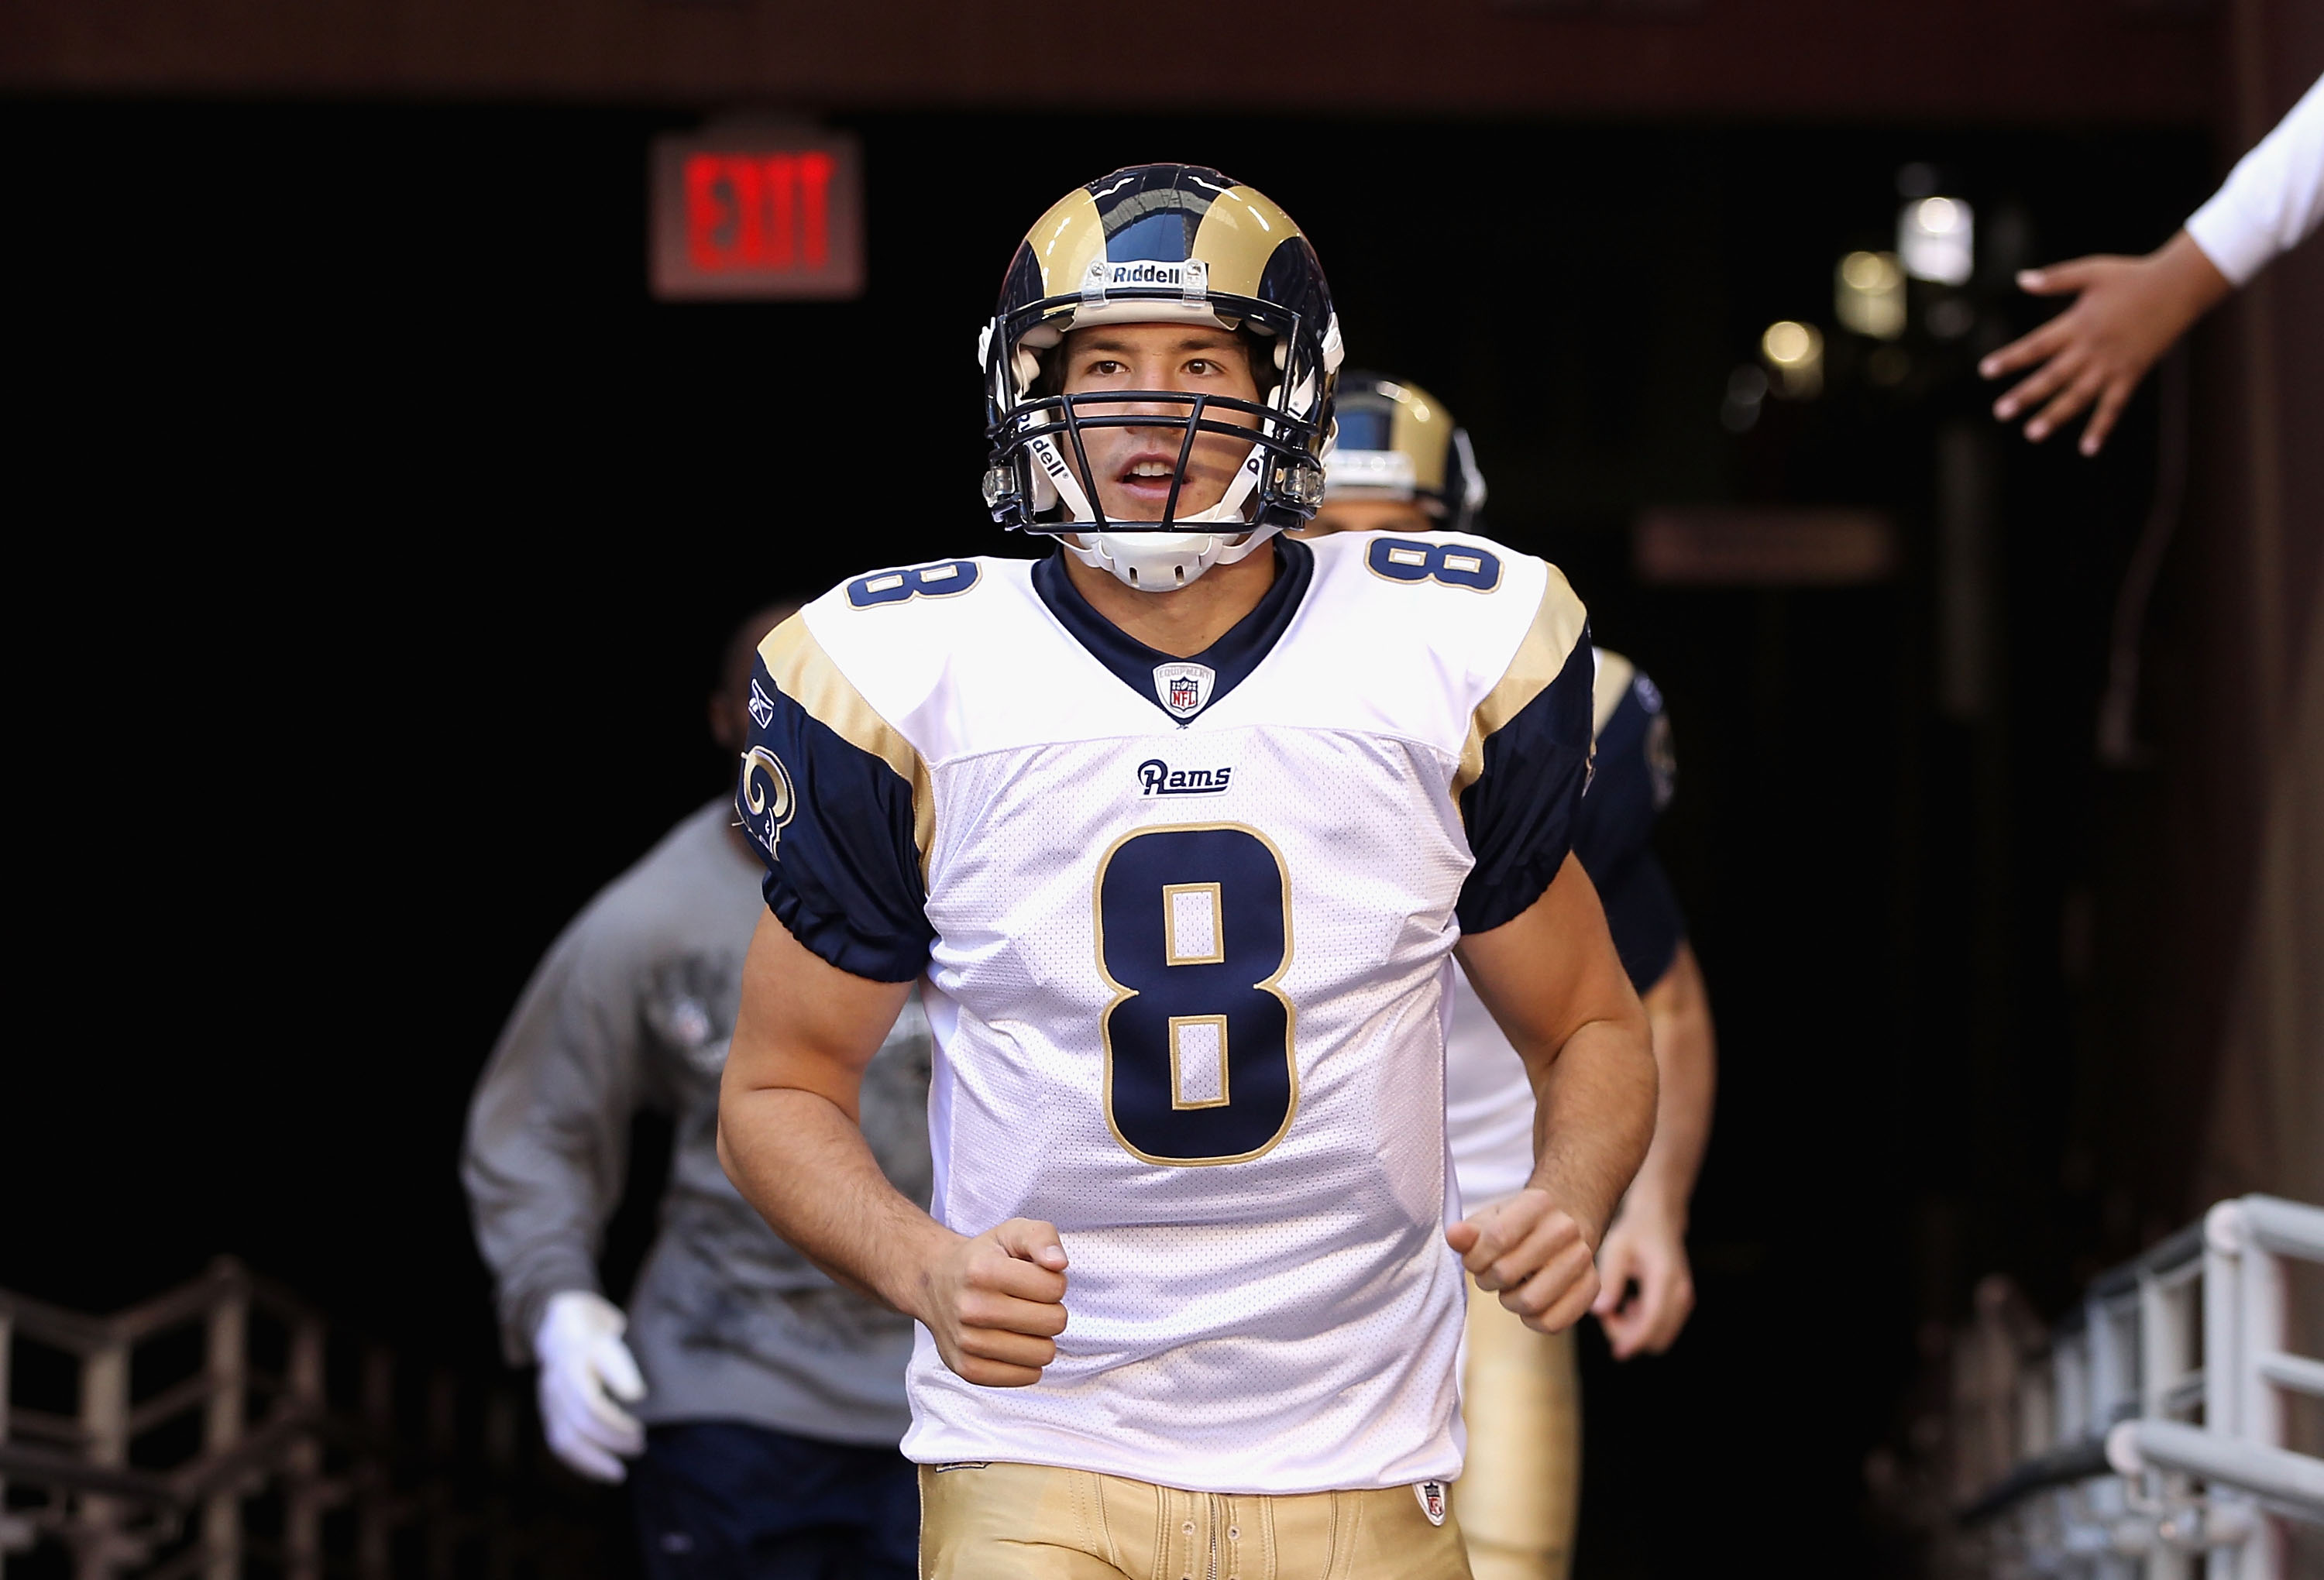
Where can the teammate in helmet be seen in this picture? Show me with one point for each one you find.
(1180, 825)
(1401, 462)
(1404, 465)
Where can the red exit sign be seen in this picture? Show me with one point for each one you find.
(744, 216)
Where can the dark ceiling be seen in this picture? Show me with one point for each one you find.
(2017, 61)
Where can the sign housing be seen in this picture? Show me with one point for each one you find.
(757, 214)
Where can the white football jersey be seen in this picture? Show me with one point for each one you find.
(1488, 1107)
(1185, 927)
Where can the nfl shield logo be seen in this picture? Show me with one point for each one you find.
(1432, 1500)
(1183, 688)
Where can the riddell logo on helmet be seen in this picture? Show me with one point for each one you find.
(1146, 274)
(1192, 274)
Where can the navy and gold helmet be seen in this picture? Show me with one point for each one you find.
(1154, 243)
(1398, 442)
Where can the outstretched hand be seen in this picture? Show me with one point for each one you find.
(2126, 314)
(994, 1303)
(1534, 1254)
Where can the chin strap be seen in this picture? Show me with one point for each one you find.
(1162, 562)
(1156, 562)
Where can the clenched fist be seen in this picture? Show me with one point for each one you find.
(994, 1303)
(1534, 1254)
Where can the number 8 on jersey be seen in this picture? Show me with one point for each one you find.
(1193, 931)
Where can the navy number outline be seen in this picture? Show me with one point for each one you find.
(935, 579)
(1258, 1023)
(1410, 560)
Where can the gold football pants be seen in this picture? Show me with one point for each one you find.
(1034, 1522)
(1521, 1395)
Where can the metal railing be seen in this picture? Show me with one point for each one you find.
(2146, 1439)
(201, 1434)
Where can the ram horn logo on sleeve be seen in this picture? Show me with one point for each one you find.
(767, 798)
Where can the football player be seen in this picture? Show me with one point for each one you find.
(1403, 465)
(1181, 823)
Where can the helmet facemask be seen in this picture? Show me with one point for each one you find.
(1035, 479)
(1161, 244)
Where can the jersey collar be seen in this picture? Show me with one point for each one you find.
(1231, 659)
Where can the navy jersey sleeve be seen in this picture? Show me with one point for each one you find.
(836, 804)
(1534, 759)
(1633, 781)
(1643, 916)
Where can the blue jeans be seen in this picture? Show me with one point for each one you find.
(724, 1500)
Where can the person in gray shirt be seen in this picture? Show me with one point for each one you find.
(758, 1404)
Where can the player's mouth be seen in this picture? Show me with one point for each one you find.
(1146, 479)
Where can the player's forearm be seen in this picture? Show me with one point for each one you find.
(804, 1165)
(1678, 1015)
(1593, 1118)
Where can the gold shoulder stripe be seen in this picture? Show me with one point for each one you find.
(805, 674)
(1615, 673)
(1540, 658)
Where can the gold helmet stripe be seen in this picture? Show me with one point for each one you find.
(1235, 240)
(1238, 237)
(1421, 428)
(1064, 240)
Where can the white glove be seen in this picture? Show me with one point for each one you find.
(585, 1366)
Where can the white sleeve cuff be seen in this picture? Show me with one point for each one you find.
(2236, 248)
(2272, 199)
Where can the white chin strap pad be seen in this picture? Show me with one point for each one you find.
(1163, 561)
(1159, 562)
